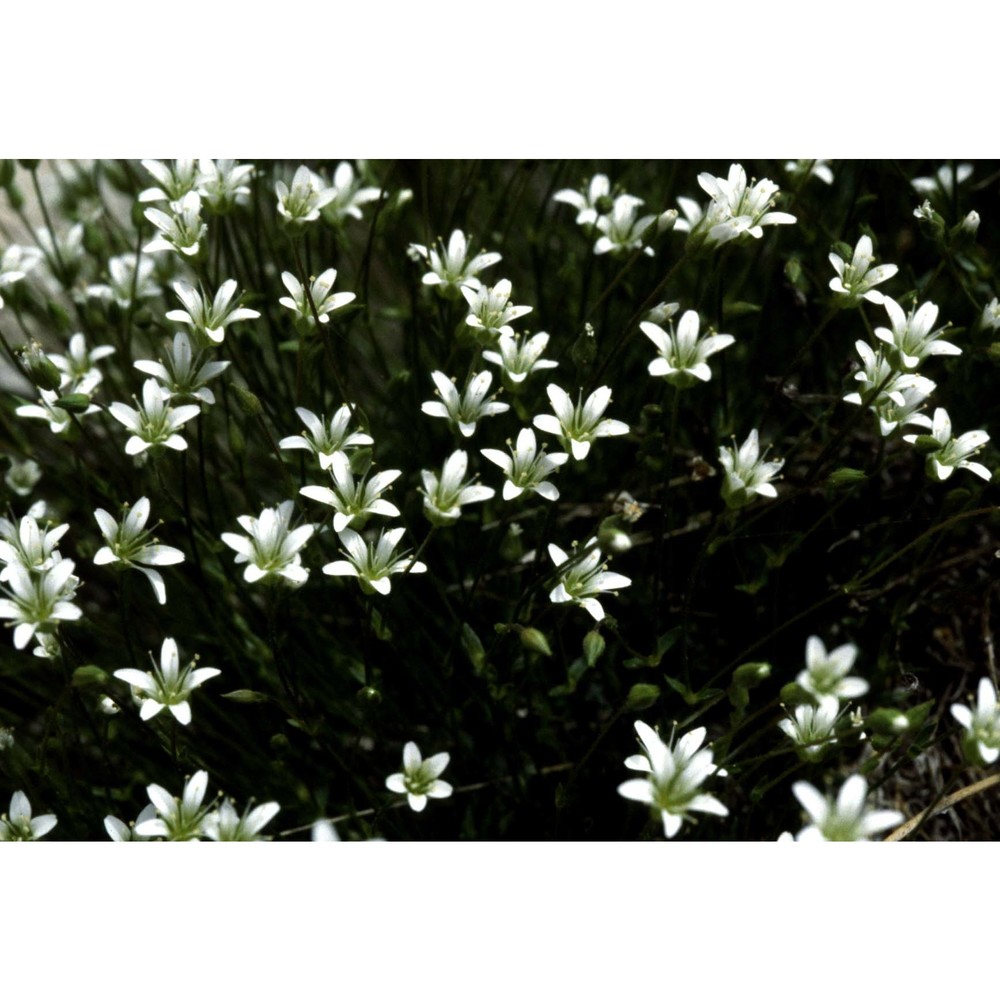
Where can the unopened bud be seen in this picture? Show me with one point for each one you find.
(845, 477)
(593, 647)
(249, 403)
(38, 367)
(641, 696)
(533, 639)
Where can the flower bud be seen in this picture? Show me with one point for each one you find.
(593, 647)
(665, 220)
(749, 675)
(249, 403)
(845, 477)
(74, 402)
(971, 223)
(611, 538)
(642, 696)
(7, 169)
(888, 722)
(473, 647)
(533, 639)
(38, 367)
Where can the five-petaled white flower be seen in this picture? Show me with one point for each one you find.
(38, 601)
(945, 452)
(226, 824)
(353, 501)
(490, 311)
(845, 819)
(208, 318)
(373, 562)
(155, 422)
(622, 229)
(683, 359)
(811, 728)
(747, 475)
(77, 366)
(857, 280)
(893, 396)
(518, 357)
(28, 545)
(527, 468)
(675, 776)
(445, 495)
(583, 577)
(348, 195)
(175, 180)
(911, 339)
(319, 292)
(449, 268)
(130, 545)
(272, 548)
(825, 676)
(982, 725)
(17, 824)
(303, 201)
(177, 818)
(580, 425)
(326, 440)
(124, 284)
(181, 232)
(182, 374)
(420, 779)
(168, 685)
(468, 409)
(593, 201)
(737, 209)
(223, 184)
(15, 263)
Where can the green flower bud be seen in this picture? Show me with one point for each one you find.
(749, 675)
(593, 647)
(641, 696)
(38, 367)
(74, 402)
(845, 478)
(473, 647)
(249, 403)
(89, 675)
(533, 639)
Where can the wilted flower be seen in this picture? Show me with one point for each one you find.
(22, 477)
(857, 280)
(825, 676)
(747, 475)
(420, 779)
(982, 725)
(445, 496)
(182, 374)
(155, 422)
(319, 291)
(129, 544)
(449, 268)
(208, 319)
(326, 440)
(168, 685)
(468, 409)
(584, 577)
(675, 776)
(845, 819)
(17, 824)
(950, 453)
(177, 818)
(911, 339)
(373, 562)
(683, 359)
(181, 232)
(526, 468)
(579, 426)
(272, 549)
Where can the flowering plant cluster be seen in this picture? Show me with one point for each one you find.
(448, 481)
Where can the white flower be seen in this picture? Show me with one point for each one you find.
(181, 232)
(175, 181)
(951, 453)
(982, 725)
(465, 410)
(857, 280)
(584, 577)
(519, 358)
(622, 231)
(825, 676)
(182, 374)
(526, 468)
(420, 779)
(683, 357)
(37, 602)
(348, 195)
(811, 728)
(224, 183)
(129, 543)
(991, 315)
(124, 833)
(22, 477)
(63, 254)
(449, 268)
(208, 319)
(122, 278)
(18, 824)
(226, 824)
(319, 291)
(445, 496)
(746, 474)
(155, 422)
(845, 819)
(595, 200)
(28, 545)
(893, 386)
(326, 440)
(77, 367)
(893, 414)
(911, 338)
(943, 182)
(15, 264)
(271, 550)
(810, 168)
(324, 832)
(490, 310)
(737, 210)
(354, 501)
(579, 426)
(177, 819)
(46, 409)
(675, 776)
(373, 562)
(693, 214)
(303, 201)
(168, 685)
